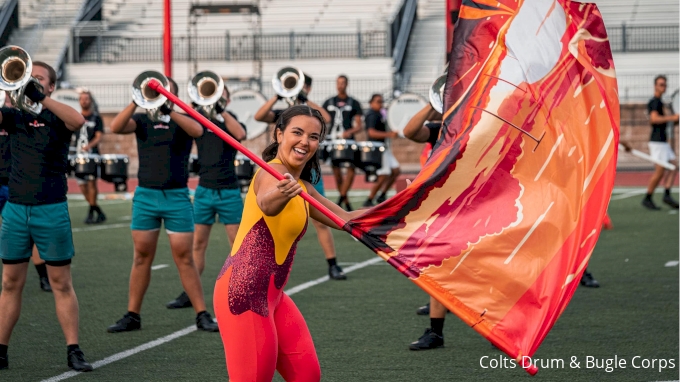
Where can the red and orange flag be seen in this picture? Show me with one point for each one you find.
(501, 221)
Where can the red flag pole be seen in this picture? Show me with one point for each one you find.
(155, 85)
(167, 38)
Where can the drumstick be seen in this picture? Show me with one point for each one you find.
(155, 85)
(646, 157)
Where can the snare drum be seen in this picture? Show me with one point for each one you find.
(86, 166)
(370, 157)
(343, 152)
(244, 169)
(194, 166)
(70, 165)
(324, 151)
(114, 168)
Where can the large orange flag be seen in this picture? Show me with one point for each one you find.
(500, 223)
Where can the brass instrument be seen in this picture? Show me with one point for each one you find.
(206, 90)
(15, 73)
(147, 98)
(288, 83)
(437, 93)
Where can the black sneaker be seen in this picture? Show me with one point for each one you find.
(4, 362)
(649, 204)
(126, 324)
(205, 322)
(368, 203)
(424, 310)
(89, 219)
(76, 361)
(182, 301)
(100, 218)
(45, 284)
(670, 201)
(588, 281)
(429, 340)
(336, 273)
(381, 198)
(348, 206)
(341, 200)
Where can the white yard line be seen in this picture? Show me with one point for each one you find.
(672, 264)
(101, 227)
(159, 266)
(192, 328)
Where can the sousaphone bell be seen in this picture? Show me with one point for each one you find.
(15, 73)
(147, 98)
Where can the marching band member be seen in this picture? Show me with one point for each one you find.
(345, 112)
(324, 234)
(37, 195)
(262, 330)
(88, 138)
(377, 131)
(162, 196)
(218, 191)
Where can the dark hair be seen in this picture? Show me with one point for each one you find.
(374, 96)
(660, 77)
(312, 171)
(50, 71)
(174, 84)
(308, 80)
(345, 77)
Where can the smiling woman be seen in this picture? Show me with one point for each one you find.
(262, 330)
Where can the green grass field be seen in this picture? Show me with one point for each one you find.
(362, 326)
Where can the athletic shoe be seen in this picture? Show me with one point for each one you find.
(182, 301)
(381, 198)
(341, 200)
(89, 219)
(76, 361)
(348, 206)
(45, 284)
(649, 204)
(429, 340)
(336, 273)
(588, 281)
(424, 310)
(100, 218)
(670, 201)
(205, 322)
(126, 324)
(4, 362)
(368, 203)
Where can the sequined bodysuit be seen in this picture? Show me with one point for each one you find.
(262, 330)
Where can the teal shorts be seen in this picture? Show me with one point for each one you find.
(226, 203)
(319, 187)
(173, 208)
(47, 226)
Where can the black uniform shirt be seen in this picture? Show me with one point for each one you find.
(5, 158)
(375, 120)
(216, 159)
(658, 129)
(164, 150)
(39, 146)
(93, 123)
(435, 128)
(349, 108)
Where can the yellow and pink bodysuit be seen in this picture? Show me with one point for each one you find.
(262, 330)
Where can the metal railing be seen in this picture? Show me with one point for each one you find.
(107, 47)
(643, 38)
(9, 20)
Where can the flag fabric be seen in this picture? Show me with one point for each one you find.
(501, 221)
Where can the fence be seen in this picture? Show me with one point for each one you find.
(104, 47)
(643, 38)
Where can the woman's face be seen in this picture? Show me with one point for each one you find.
(299, 141)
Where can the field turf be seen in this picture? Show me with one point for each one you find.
(362, 326)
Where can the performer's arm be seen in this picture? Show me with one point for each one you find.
(265, 113)
(234, 126)
(324, 113)
(415, 129)
(323, 219)
(356, 127)
(72, 119)
(273, 195)
(123, 122)
(374, 133)
(656, 118)
(94, 142)
(188, 124)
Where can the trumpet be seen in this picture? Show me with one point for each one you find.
(288, 83)
(15, 73)
(437, 93)
(206, 90)
(149, 99)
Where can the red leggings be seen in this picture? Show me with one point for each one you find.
(256, 346)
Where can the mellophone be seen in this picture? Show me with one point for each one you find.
(112, 167)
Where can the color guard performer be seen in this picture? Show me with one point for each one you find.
(37, 210)
(324, 234)
(218, 192)
(162, 196)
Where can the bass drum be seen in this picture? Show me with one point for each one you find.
(402, 109)
(244, 104)
(114, 169)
